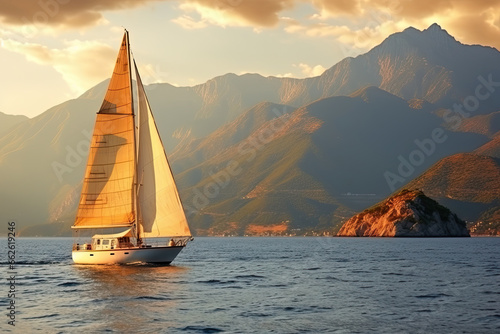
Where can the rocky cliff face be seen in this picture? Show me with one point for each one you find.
(406, 214)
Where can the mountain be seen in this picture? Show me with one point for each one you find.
(192, 153)
(8, 121)
(491, 148)
(405, 214)
(336, 145)
(488, 125)
(312, 167)
(429, 65)
(468, 184)
(42, 161)
(488, 223)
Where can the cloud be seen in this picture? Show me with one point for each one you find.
(427, 8)
(338, 7)
(80, 63)
(253, 13)
(286, 75)
(354, 40)
(366, 23)
(306, 71)
(187, 22)
(475, 28)
(355, 23)
(470, 22)
(61, 13)
(152, 74)
(311, 71)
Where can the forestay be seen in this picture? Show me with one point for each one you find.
(160, 207)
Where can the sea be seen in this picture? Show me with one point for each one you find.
(261, 285)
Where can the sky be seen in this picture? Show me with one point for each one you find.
(54, 50)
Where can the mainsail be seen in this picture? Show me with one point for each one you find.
(161, 212)
(107, 198)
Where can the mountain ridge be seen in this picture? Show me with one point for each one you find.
(295, 165)
(9, 121)
(467, 183)
(338, 113)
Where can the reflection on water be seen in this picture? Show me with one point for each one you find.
(266, 285)
(123, 297)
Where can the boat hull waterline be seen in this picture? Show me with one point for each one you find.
(155, 255)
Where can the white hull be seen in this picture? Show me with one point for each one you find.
(159, 255)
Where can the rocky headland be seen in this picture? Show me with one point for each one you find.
(407, 214)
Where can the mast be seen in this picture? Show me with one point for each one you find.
(135, 188)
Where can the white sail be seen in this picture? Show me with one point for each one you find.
(107, 198)
(160, 207)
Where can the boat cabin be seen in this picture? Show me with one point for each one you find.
(112, 241)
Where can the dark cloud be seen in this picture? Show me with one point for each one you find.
(71, 13)
(264, 13)
(77, 13)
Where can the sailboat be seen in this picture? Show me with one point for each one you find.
(128, 187)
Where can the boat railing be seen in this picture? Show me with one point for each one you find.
(181, 242)
(126, 244)
(172, 242)
(78, 247)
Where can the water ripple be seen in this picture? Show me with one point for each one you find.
(267, 285)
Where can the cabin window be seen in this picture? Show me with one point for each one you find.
(98, 241)
(105, 242)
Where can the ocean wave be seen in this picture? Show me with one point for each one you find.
(31, 263)
(152, 298)
(65, 284)
(216, 281)
(249, 276)
(433, 295)
(202, 329)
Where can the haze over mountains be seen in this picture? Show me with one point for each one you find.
(257, 155)
(8, 121)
